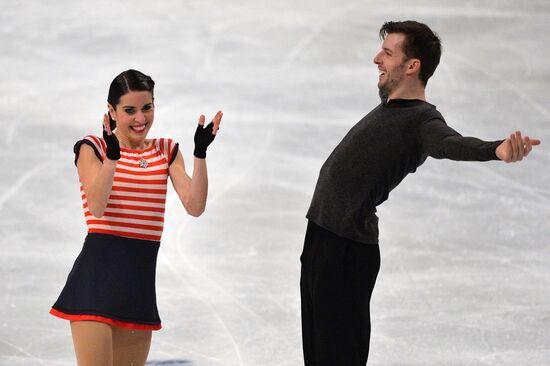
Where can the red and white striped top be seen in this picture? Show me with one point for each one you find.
(136, 205)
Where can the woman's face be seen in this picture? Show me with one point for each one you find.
(134, 115)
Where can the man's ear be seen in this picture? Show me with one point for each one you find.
(413, 66)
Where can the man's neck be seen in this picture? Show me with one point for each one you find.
(409, 92)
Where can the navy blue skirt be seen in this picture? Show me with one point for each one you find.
(112, 281)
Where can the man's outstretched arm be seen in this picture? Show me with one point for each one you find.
(440, 141)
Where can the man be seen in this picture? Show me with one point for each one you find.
(341, 258)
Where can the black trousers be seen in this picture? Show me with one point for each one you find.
(338, 276)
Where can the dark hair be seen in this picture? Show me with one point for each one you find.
(420, 42)
(127, 81)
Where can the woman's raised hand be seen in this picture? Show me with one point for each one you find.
(113, 147)
(205, 135)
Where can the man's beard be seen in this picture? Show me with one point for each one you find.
(383, 93)
(389, 86)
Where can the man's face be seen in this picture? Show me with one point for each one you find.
(391, 63)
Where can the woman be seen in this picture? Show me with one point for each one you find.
(110, 296)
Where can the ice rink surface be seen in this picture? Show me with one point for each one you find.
(465, 276)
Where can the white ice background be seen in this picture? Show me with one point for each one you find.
(465, 276)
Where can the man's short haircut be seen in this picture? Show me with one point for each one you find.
(420, 42)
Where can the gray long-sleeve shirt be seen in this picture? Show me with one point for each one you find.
(393, 140)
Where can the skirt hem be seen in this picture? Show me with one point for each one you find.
(105, 319)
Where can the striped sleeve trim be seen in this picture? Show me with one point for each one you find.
(174, 153)
(169, 149)
(95, 143)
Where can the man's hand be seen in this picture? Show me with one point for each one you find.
(515, 147)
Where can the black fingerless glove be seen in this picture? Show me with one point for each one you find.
(203, 138)
(113, 147)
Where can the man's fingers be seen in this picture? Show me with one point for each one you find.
(202, 118)
(528, 145)
(519, 142)
(507, 150)
(516, 147)
(514, 154)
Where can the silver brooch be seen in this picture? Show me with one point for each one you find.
(143, 163)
